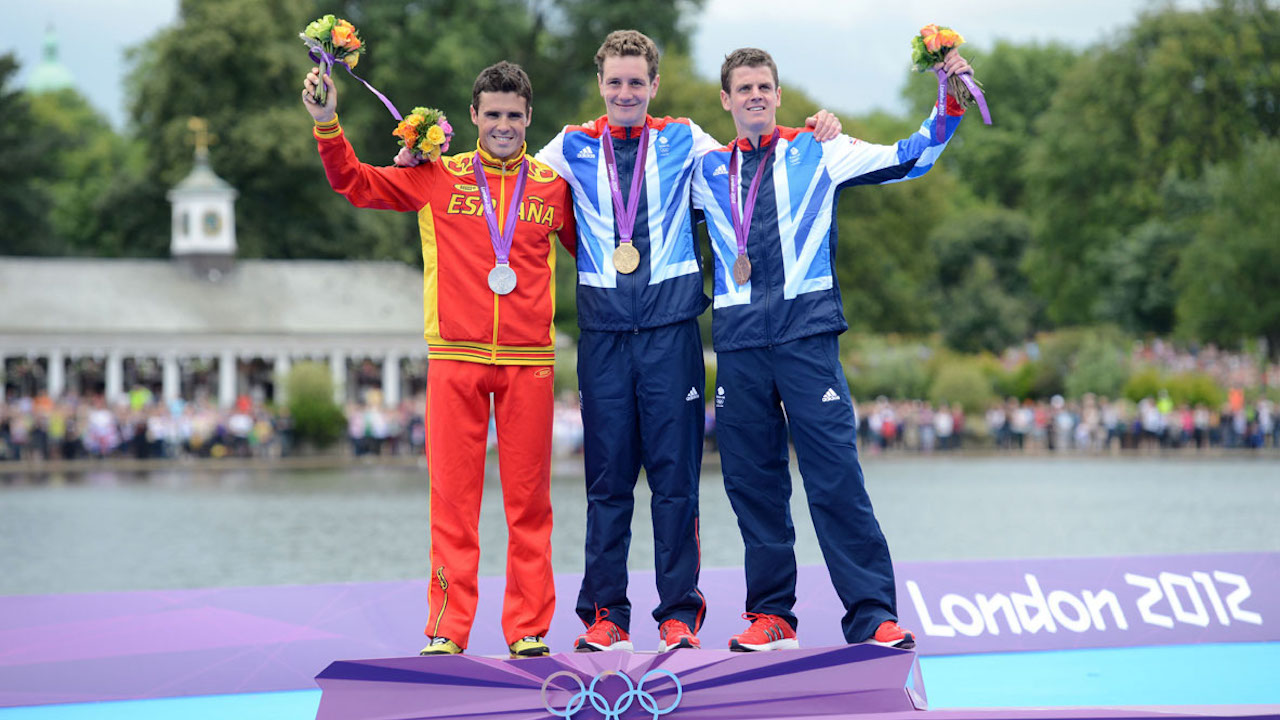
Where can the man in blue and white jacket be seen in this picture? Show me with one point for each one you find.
(775, 321)
(640, 367)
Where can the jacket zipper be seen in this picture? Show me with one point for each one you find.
(768, 293)
(501, 214)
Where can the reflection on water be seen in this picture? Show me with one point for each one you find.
(179, 529)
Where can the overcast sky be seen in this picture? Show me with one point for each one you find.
(851, 56)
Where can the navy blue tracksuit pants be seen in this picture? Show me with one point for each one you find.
(805, 378)
(642, 405)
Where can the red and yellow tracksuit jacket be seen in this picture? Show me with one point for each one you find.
(465, 320)
(481, 345)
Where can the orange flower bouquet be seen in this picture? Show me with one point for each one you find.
(929, 49)
(332, 40)
(426, 133)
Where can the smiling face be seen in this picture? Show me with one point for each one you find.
(753, 98)
(502, 118)
(626, 89)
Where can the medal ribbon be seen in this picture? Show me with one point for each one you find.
(625, 213)
(742, 225)
(501, 240)
(940, 121)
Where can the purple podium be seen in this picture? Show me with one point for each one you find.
(698, 685)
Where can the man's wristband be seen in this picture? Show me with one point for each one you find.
(328, 128)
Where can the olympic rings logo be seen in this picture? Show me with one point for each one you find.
(634, 693)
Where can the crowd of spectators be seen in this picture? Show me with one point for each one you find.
(74, 428)
(1090, 424)
(142, 426)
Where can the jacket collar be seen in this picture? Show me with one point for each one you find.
(747, 145)
(623, 133)
(500, 166)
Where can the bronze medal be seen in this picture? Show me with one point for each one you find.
(741, 270)
(626, 258)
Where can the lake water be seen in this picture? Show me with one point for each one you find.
(183, 529)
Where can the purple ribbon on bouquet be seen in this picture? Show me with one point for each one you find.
(321, 56)
(940, 121)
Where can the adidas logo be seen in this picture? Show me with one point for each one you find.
(722, 170)
(693, 395)
(586, 154)
(830, 396)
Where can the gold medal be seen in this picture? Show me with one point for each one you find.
(741, 270)
(626, 258)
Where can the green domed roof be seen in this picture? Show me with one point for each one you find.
(50, 75)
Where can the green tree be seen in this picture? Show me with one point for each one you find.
(986, 303)
(203, 66)
(979, 314)
(1178, 90)
(1229, 277)
(88, 159)
(24, 200)
(887, 275)
(1141, 265)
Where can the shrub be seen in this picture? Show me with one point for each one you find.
(962, 382)
(1035, 379)
(1100, 367)
(1144, 384)
(1195, 389)
(317, 419)
(897, 370)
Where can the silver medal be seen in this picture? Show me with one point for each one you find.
(502, 279)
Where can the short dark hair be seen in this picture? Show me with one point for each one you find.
(746, 57)
(502, 77)
(623, 43)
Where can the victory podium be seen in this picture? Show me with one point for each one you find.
(694, 684)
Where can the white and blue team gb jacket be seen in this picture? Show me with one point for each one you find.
(792, 292)
(667, 287)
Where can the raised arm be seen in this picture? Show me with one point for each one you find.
(366, 186)
(854, 162)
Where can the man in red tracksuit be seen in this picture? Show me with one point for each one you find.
(488, 302)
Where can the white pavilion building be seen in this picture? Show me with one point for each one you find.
(204, 323)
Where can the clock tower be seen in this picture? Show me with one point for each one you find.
(204, 220)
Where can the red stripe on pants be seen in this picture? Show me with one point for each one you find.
(457, 425)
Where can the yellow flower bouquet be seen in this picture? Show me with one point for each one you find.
(426, 132)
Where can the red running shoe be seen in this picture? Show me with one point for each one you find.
(890, 635)
(602, 635)
(675, 634)
(767, 632)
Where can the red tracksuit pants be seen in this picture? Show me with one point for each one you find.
(457, 418)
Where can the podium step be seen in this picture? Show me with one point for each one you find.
(684, 684)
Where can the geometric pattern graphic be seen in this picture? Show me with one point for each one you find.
(693, 685)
